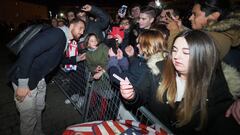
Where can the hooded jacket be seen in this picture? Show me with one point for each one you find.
(226, 33)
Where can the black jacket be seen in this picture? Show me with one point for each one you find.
(137, 67)
(219, 100)
(39, 57)
(100, 24)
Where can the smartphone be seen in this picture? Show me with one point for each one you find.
(122, 11)
(115, 46)
(157, 3)
(118, 77)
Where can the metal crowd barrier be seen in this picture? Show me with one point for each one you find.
(98, 99)
(93, 99)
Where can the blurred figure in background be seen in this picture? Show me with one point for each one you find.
(54, 22)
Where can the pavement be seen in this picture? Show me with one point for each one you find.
(56, 116)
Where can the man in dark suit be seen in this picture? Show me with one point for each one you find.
(38, 58)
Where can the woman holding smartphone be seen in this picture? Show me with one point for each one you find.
(193, 95)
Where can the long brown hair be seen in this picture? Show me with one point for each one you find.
(203, 61)
(152, 42)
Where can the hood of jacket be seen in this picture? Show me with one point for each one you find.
(233, 79)
(152, 62)
(232, 21)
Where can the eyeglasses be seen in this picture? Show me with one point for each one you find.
(124, 23)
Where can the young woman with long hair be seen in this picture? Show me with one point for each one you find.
(193, 94)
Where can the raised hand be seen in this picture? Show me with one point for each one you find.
(234, 110)
(87, 8)
(129, 50)
(119, 54)
(111, 53)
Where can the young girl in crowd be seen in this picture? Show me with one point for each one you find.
(96, 56)
(193, 95)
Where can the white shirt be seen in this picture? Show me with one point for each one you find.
(180, 88)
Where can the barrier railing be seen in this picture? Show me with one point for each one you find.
(93, 99)
(98, 99)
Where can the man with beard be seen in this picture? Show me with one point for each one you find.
(38, 58)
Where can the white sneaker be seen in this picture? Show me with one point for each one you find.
(74, 97)
(80, 102)
(67, 101)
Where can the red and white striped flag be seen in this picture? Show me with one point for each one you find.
(121, 127)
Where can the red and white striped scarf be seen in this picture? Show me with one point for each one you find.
(72, 50)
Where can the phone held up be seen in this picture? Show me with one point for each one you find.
(122, 11)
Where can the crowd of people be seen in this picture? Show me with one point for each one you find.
(188, 77)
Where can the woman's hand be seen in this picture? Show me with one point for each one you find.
(111, 53)
(129, 51)
(126, 89)
(98, 75)
(119, 54)
(234, 110)
(81, 57)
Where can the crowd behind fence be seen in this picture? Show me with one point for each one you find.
(98, 99)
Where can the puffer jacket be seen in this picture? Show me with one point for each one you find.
(233, 79)
(226, 33)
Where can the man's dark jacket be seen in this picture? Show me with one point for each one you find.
(39, 57)
(99, 25)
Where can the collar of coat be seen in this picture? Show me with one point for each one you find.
(152, 62)
(232, 77)
(231, 22)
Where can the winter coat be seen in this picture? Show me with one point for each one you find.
(225, 33)
(99, 57)
(39, 57)
(100, 24)
(137, 66)
(219, 100)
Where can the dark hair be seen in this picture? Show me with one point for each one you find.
(76, 20)
(127, 18)
(78, 10)
(162, 28)
(210, 6)
(176, 12)
(148, 10)
(135, 5)
(71, 10)
(88, 37)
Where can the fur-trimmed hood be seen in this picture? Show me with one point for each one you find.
(233, 79)
(152, 62)
(231, 22)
